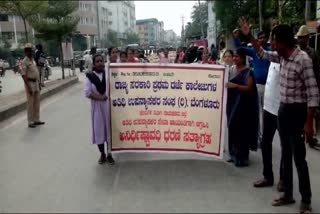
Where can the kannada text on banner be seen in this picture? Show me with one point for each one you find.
(167, 108)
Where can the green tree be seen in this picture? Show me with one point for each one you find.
(132, 38)
(57, 23)
(285, 11)
(111, 39)
(199, 21)
(228, 12)
(24, 9)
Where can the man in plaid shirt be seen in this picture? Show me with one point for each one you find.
(299, 99)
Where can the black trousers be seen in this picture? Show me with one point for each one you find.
(270, 125)
(291, 120)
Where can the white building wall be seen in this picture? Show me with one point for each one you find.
(121, 16)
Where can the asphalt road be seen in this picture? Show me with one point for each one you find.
(54, 169)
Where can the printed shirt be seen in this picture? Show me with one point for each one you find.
(297, 80)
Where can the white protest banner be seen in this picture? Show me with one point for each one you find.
(168, 108)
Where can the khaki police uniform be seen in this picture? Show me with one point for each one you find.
(30, 70)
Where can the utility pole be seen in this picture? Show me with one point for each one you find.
(182, 31)
(98, 24)
(200, 18)
(307, 11)
(260, 15)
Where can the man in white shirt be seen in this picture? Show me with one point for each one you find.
(270, 125)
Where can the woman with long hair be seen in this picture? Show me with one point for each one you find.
(97, 90)
(242, 111)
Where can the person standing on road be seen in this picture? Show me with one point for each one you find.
(270, 125)
(205, 59)
(131, 56)
(30, 75)
(299, 97)
(242, 105)
(88, 63)
(113, 54)
(97, 90)
(123, 57)
(222, 49)
(260, 69)
(303, 42)
(2, 69)
(40, 61)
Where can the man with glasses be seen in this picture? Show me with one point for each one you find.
(31, 77)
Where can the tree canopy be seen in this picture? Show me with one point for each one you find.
(56, 23)
(24, 9)
(199, 15)
(284, 11)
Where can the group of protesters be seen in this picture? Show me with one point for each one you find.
(278, 92)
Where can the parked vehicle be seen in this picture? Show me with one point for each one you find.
(6, 64)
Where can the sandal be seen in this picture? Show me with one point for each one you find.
(305, 208)
(282, 201)
(102, 159)
(280, 186)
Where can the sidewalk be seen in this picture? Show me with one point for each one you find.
(13, 103)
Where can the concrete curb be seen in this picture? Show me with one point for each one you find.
(46, 92)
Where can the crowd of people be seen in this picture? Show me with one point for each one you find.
(281, 91)
(278, 92)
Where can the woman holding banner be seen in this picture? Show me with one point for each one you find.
(242, 111)
(97, 90)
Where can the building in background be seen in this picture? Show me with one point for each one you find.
(171, 39)
(161, 31)
(118, 16)
(121, 17)
(87, 25)
(12, 30)
(149, 31)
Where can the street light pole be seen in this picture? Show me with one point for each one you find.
(200, 18)
(307, 10)
(98, 24)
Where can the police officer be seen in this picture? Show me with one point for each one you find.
(30, 75)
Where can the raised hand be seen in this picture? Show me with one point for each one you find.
(245, 26)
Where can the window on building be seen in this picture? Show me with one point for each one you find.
(7, 35)
(81, 20)
(4, 17)
(110, 13)
(110, 22)
(91, 20)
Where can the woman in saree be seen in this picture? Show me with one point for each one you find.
(242, 111)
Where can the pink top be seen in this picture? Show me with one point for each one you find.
(181, 55)
(209, 62)
(133, 60)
